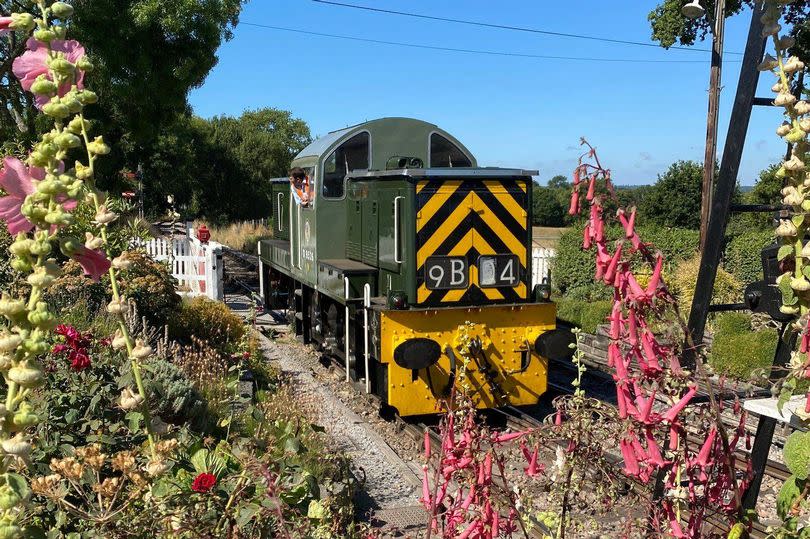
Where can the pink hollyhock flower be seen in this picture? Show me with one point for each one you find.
(5, 25)
(18, 181)
(32, 64)
(94, 262)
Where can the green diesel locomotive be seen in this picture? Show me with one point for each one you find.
(409, 261)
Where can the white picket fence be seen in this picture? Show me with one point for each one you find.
(197, 266)
(541, 263)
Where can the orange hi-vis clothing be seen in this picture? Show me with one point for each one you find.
(302, 196)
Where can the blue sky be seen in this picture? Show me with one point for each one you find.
(510, 111)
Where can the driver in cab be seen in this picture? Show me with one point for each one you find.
(301, 186)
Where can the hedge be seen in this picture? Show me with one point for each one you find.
(739, 351)
(743, 255)
(586, 315)
(573, 269)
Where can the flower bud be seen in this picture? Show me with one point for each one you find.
(784, 100)
(119, 341)
(24, 417)
(804, 125)
(83, 172)
(35, 343)
(66, 141)
(40, 278)
(21, 265)
(792, 65)
(768, 63)
(62, 66)
(56, 110)
(59, 31)
(23, 22)
(46, 36)
(11, 307)
(799, 284)
(129, 400)
(61, 10)
(36, 159)
(42, 318)
(6, 362)
(43, 86)
(786, 229)
(86, 97)
(92, 242)
(104, 216)
(141, 350)
(794, 164)
(156, 468)
(121, 262)
(59, 216)
(17, 446)
(97, 147)
(26, 375)
(9, 342)
(783, 129)
(76, 124)
(795, 135)
(85, 64)
(777, 88)
(117, 307)
(802, 107)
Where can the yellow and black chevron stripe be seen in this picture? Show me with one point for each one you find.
(471, 218)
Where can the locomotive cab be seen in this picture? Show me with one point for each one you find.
(413, 267)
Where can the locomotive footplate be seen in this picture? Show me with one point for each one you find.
(492, 349)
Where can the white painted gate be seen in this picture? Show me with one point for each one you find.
(197, 266)
(541, 263)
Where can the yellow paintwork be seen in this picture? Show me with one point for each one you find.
(503, 329)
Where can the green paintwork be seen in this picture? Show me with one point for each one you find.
(360, 225)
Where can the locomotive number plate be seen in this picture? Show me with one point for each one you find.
(499, 270)
(446, 273)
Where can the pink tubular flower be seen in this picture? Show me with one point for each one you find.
(94, 262)
(32, 64)
(673, 412)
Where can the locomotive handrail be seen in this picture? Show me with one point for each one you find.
(397, 253)
(346, 324)
(280, 216)
(367, 305)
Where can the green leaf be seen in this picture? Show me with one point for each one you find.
(134, 421)
(784, 252)
(790, 490)
(317, 428)
(797, 454)
(292, 445)
(798, 219)
(247, 513)
(18, 484)
(788, 296)
(200, 461)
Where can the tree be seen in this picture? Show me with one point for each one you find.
(670, 26)
(220, 168)
(675, 198)
(546, 209)
(148, 55)
(559, 182)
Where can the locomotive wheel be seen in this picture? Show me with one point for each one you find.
(334, 331)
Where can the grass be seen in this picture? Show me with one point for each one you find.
(241, 236)
(586, 315)
(738, 350)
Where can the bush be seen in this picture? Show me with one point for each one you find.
(727, 288)
(172, 396)
(586, 315)
(573, 269)
(151, 286)
(72, 287)
(743, 256)
(211, 320)
(739, 351)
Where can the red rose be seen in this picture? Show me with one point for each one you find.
(204, 482)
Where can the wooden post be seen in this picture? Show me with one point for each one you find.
(710, 154)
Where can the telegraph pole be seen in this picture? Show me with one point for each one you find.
(711, 122)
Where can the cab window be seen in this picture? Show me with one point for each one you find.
(445, 154)
(351, 155)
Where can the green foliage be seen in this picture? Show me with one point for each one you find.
(727, 288)
(586, 315)
(791, 489)
(797, 454)
(674, 200)
(120, 234)
(573, 269)
(559, 182)
(743, 256)
(546, 208)
(218, 168)
(72, 288)
(669, 26)
(172, 396)
(151, 286)
(79, 408)
(223, 330)
(739, 351)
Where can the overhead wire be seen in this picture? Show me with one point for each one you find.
(509, 27)
(471, 51)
